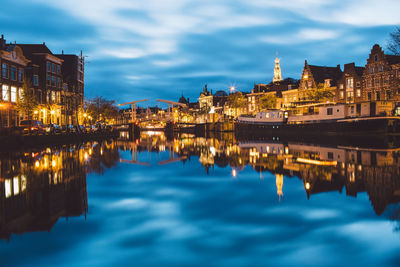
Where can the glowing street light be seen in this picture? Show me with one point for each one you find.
(232, 88)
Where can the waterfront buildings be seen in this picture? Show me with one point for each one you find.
(13, 64)
(349, 88)
(381, 77)
(56, 81)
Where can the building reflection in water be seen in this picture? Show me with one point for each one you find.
(39, 187)
(321, 168)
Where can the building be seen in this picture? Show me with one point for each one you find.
(13, 64)
(277, 71)
(72, 70)
(381, 77)
(47, 67)
(349, 89)
(313, 76)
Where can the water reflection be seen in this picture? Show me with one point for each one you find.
(185, 200)
(40, 186)
(321, 168)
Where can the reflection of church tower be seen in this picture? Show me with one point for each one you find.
(277, 71)
(279, 184)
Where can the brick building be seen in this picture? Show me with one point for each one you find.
(13, 64)
(73, 68)
(349, 88)
(47, 67)
(315, 75)
(381, 77)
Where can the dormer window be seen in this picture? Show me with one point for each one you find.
(327, 82)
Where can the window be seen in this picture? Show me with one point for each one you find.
(352, 109)
(380, 68)
(13, 94)
(58, 69)
(12, 73)
(4, 71)
(48, 66)
(4, 93)
(53, 67)
(350, 94)
(341, 86)
(35, 80)
(53, 96)
(376, 57)
(377, 82)
(294, 98)
(358, 84)
(349, 82)
(386, 81)
(358, 93)
(341, 94)
(369, 83)
(369, 96)
(58, 82)
(329, 111)
(371, 70)
(378, 95)
(388, 95)
(309, 84)
(330, 155)
(53, 81)
(20, 94)
(20, 75)
(327, 82)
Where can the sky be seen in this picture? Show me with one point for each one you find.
(153, 49)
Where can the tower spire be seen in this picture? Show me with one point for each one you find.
(277, 70)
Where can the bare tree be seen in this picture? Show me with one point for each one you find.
(394, 42)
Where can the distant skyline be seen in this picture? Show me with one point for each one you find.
(163, 48)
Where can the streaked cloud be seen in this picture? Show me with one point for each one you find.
(183, 44)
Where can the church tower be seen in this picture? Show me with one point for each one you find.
(277, 71)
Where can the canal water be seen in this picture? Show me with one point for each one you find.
(194, 201)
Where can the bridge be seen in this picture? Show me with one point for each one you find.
(159, 119)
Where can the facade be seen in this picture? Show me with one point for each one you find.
(50, 84)
(314, 75)
(289, 97)
(73, 68)
(13, 64)
(349, 88)
(381, 77)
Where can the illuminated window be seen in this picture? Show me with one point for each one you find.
(5, 93)
(16, 185)
(341, 86)
(358, 93)
(7, 188)
(20, 94)
(341, 94)
(349, 82)
(13, 94)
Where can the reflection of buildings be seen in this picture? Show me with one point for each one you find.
(39, 187)
(322, 169)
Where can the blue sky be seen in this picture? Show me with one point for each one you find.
(162, 48)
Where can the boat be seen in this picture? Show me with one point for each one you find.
(379, 117)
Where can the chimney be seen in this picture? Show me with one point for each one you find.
(2, 41)
(44, 43)
(62, 52)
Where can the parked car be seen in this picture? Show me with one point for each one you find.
(32, 126)
(53, 128)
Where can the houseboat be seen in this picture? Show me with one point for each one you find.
(380, 117)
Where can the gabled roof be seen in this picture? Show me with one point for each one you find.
(392, 59)
(320, 73)
(30, 49)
